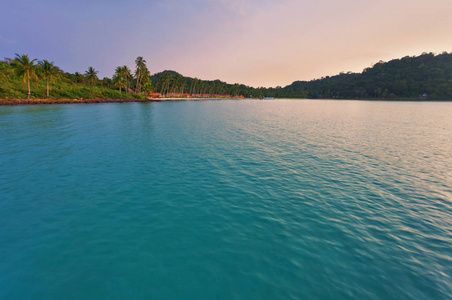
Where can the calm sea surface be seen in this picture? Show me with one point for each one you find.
(284, 199)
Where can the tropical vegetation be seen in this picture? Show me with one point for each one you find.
(49, 71)
(427, 76)
(25, 68)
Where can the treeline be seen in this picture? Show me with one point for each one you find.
(427, 76)
(171, 82)
(23, 77)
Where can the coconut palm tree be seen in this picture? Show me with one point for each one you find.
(128, 76)
(49, 70)
(140, 72)
(146, 83)
(118, 81)
(26, 68)
(91, 74)
(120, 76)
(167, 80)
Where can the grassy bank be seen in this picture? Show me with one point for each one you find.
(23, 78)
(14, 88)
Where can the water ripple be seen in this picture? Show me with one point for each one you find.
(226, 200)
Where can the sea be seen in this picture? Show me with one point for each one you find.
(226, 199)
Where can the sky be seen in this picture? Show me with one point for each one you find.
(254, 42)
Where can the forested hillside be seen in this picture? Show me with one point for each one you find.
(409, 77)
(427, 76)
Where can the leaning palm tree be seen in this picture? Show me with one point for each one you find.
(140, 72)
(91, 74)
(146, 83)
(26, 68)
(49, 70)
(127, 74)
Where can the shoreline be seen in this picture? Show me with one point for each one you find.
(15, 102)
(12, 102)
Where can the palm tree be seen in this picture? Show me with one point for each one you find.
(120, 76)
(91, 74)
(182, 83)
(26, 68)
(193, 86)
(125, 73)
(141, 71)
(167, 80)
(49, 70)
(118, 81)
(146, 84)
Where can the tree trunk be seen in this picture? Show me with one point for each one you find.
(137, 89)
(28, 80)
(167, 86)
(47, 86)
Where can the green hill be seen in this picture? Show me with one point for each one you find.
(427, 76)
(406, 78)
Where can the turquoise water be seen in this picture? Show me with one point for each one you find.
(226, 200)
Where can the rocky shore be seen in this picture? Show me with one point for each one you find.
(99, 100)
(70, 101)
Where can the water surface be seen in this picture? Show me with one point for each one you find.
(284, 199)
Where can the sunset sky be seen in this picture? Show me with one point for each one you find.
(258, 43)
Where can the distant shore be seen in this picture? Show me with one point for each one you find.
(87, 101)
(13, 102)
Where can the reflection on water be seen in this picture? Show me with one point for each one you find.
(284, 199)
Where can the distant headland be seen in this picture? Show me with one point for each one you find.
(24, 80)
